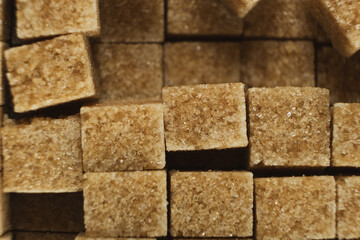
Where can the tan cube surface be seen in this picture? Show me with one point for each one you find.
(132, 20)
(202, 18)
(340, 19)
(348, 207)
(211, 204)
(338, 74)
(289, 127)
(42, 155)
(43, 236)
(188, 63)
(295, 207)
(131, 204)
(123, 137)
(82, 236)
(50, 72)
(3, 46)
(346, 135)
(280, 19)
(241, 7)
(36, 18)
(208, 116)
(129, 71)
(278, 63)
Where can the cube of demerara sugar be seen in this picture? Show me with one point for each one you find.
(280, 19)
(283, 63)
(338, 74)
(47, 212)
(211, 204)
(346, 135)
(132, 21)
(202, 18)
(348, 207)
(340, 20)
(35, 19)
(241, 7)
(82, 236)
(44, 236)
(295, 207)
(129, 71)
(133, 204)
(208, 116)
(42, 155)
(188, 63)
(51, 72)
(289, 127)
(123, 137)
(5, 20)
(2, 72)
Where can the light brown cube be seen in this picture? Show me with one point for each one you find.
(348, 207)
(82, 236)
(51, 72)
(42, 155)
(241, 7)
(129, 71)
(35, 19)
(188, 63)
(346, 135)
(289, 127)
(209, 116)
(44, 236)
(211, 204)
(123, 137)
(295, 207)
(340, 20)
(278, 63)
(5, 20)
(47, 212)
(132, 21)
(2, 72)
(202, 18)
(280, 19)
(339, 74)
(132, 204)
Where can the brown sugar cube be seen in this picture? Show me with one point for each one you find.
(188, 63)
(132, 204)
(44, 236)
(2, 72)
(202, 18)
(50, 72)
(340, 20)
(241, 7)
(129, 71)
(348, 207)
(123, 137)
(132, 21)
(280, 19)
(82, 236)
(197, 210)
(36, 19)
(283, 63)
(289, 127)
(346, 135)
(339, 74)
(208, 116)
(42, 155)
(295, 207)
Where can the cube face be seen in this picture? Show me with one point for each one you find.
(209, 116)
(346, 135)
(280, 19)
(50, 72)
(36, 19)
(123, 137)
(129, 71)
(202, 18)
(132, 21)
(82, 236)
(47, 236)
(289, 127)
(348, 207)
(285, 63)
(197, 210)
(2, 73)
(339, 19)
(339, 74)
(295, 207)
(132, 204)
(241, 7)
(43, 155)
(188, 63)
